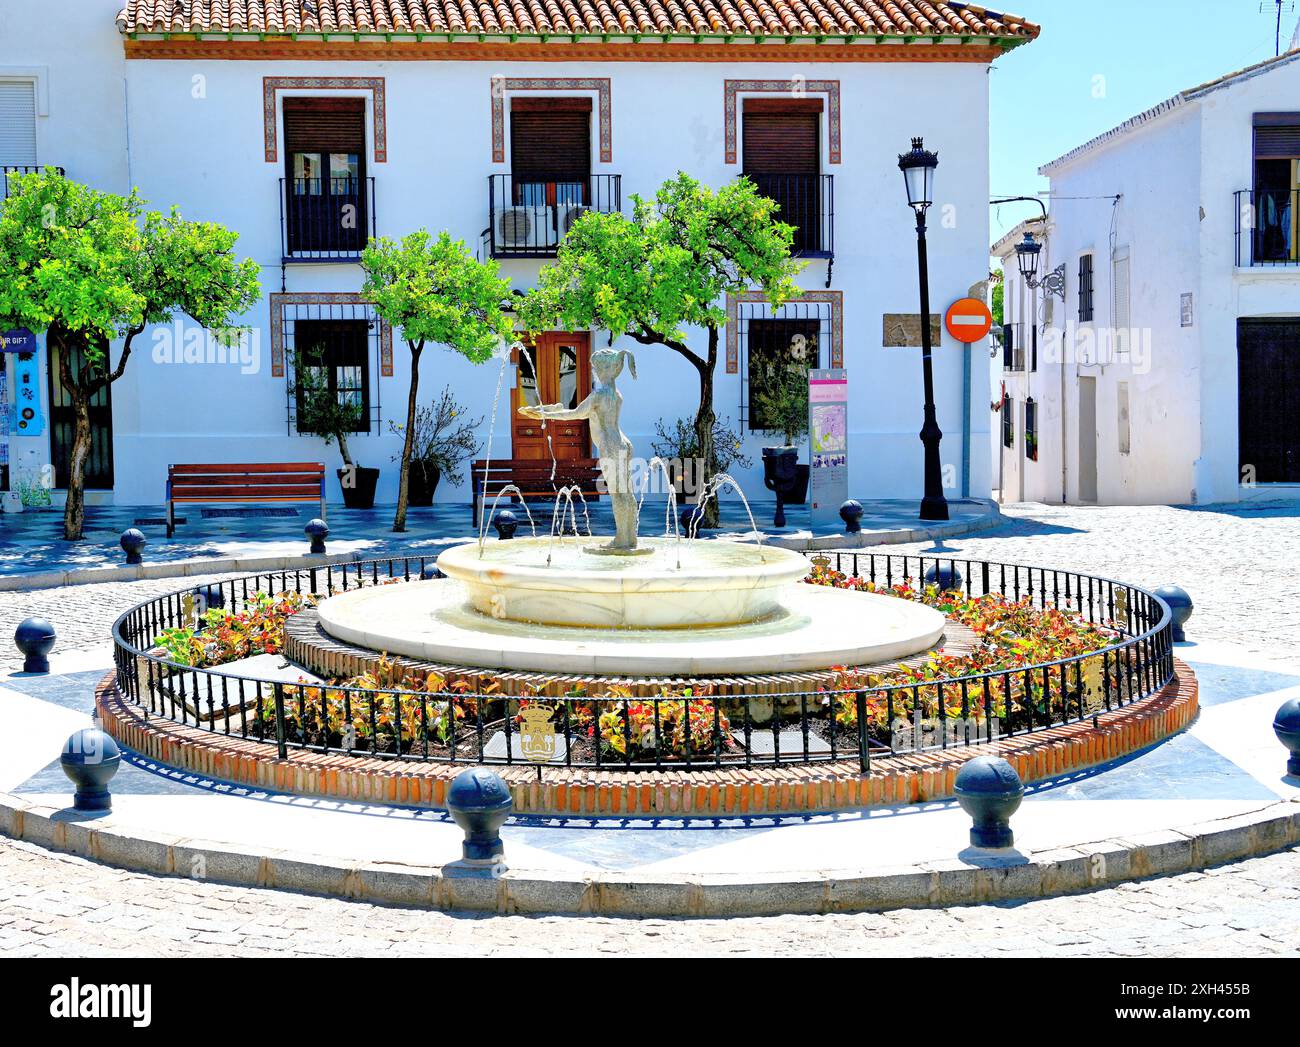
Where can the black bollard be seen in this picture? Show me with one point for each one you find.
(480, 802)
(317, 530)
(35, 637)
(91, 758)
(990, 791)
(132, 541)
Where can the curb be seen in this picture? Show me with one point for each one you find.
(454, 887)
(253, 564)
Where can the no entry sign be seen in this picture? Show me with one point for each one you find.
(968, 320)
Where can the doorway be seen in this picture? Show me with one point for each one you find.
(555, 369)
(1268, 400)
(63, 424)
(1087, 439)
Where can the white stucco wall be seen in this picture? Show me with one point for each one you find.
(203, 150)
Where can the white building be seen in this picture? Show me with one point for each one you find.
(1178, 344)
(270, 117)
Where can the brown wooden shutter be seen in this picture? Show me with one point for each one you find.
(550, 139)
(781, 136)
(325, 125)
(1277, 143)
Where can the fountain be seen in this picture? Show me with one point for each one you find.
(633, 606)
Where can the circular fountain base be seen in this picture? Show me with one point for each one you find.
(816, 628)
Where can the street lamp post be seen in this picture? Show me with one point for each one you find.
(918, 175)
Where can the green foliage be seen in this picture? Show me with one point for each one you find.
(444, 436)
(669, 266)
(98, 267)
(998, 297)
(782, 401)
(434, 290)
(321, 410)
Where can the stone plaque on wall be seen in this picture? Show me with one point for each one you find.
(903, 330)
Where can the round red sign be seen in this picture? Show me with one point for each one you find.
(968, 320)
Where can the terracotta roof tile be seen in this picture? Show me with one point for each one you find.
(797, 18)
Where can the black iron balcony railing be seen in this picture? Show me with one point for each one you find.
(1268, 227)
(326, 219)
(807, 202)
(9, 171)
(528, 217)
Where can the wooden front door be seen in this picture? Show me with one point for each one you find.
(556, 369)
(1268, 385)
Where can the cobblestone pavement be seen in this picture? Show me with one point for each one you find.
(53, 904)
(1236, 563)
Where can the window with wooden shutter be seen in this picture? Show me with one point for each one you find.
(1277, 182)
(781, 155)
(17, 123)
(329, 125)
(1121, 297)
(1085, 288)
(550, 140)
(325, 157)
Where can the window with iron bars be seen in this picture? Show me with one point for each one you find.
(1008, 421)
(798, 334)
(1085, 288)
(1031, 429)
(343, 342)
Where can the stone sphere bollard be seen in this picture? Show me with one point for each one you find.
(506, 524)
(990, 791)
(945, 576)
(479, 802)
(91, 758)
(690, 518)
(851, 514)
(35, 637)
(132, 541)
(1180, 605)
(1286, 725)
(429, 571)
(317, 530)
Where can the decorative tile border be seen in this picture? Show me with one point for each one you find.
(280, 299)
(913, 778)
(503, 84)
(795, 87)
(373, 84)
(835, 298)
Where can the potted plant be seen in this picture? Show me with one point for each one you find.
(323, 412)
(441, 442)
(676, 444)
(782, 405)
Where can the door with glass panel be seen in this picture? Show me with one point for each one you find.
(556, 368)
(325, 175)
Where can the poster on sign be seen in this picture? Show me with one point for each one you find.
(828, 438)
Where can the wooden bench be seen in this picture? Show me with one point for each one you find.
(246, 482)
(533, 479)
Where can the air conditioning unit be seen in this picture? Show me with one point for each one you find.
(569, 214)
(522, 228)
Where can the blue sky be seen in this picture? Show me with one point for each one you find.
(1047, 98)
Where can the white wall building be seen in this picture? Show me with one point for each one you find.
(270, 121)
(1178, 345)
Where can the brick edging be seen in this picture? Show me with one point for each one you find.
(799, 788)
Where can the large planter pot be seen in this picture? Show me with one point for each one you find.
(421, 483)
(781, 477)
(799, 492)
(360, 494)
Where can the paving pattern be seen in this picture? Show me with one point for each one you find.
(57, 905)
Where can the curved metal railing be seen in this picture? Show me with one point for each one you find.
(868, 718)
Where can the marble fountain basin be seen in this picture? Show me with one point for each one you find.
(673, 586)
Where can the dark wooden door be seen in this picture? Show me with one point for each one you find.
(555, 369)
(1268, 400)
(99, 466)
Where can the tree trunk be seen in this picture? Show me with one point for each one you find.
(399, 521)
(74, 510)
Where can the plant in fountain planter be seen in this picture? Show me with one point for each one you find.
(444, 439)
(780, 405)
(434, 291)
(333, 414)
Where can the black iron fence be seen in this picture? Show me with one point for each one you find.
(326, 219)
(8, 171)
(528, 217)
(680, 727)
(807, 202)
(1268, 221)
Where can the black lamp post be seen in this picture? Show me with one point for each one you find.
(918, 175)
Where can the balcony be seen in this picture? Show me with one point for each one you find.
(806, 202)
(1267, 227)
(9, 170)
(325, 219)
(528, 218)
